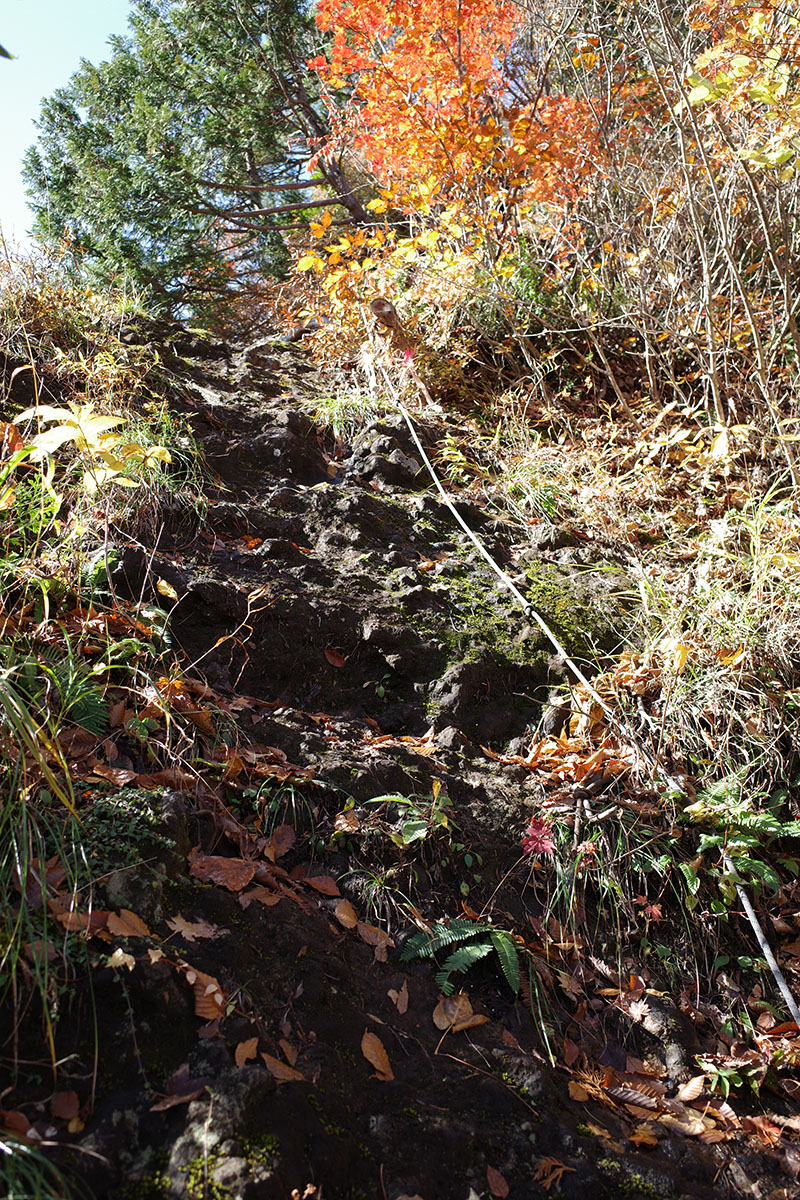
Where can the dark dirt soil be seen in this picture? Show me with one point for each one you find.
(357, 644)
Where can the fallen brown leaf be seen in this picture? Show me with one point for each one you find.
(497, 1184)
(281, 842)
(377, 938)
(767, 1132)
(400, 999)
(289, 1051)
(324, 884)
(167, 1102)
(633, 1096)
(262, 895)
(172, 778)
(470, 1022)
(14, 1121)
(191, 930)
(689, 1126)
(346, 822)
(77, 743)
(245, 1051)
(455, 1013)
(209, 1031)
(231, 873)
(644, 1135)
(40, 952)
(113, 774)
(73, 922)
(209, 999)
(281, 1072)
(374, 1052)
(691, 1089)
(64, 1105)
(345, 914)
(126, 924)
(233, 767)
(571, 1052)
(181, 1088)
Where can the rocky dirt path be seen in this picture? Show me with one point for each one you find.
(270, 1037)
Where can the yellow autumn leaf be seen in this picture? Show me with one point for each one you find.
(120, 959)
(732, 658)
(675, 654)
(166, 589)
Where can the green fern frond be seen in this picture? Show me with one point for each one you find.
(509, 957)
(461, 960)
(81, 699)
(480, 940)
(426, 942)
(57, 684)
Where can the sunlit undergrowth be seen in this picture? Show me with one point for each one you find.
(89, 460)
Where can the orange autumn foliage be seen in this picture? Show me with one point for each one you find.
(432, 95)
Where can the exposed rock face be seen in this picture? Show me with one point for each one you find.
(359, 556)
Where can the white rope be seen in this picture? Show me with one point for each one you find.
(504, 578)
(761, 938)
(628, 735)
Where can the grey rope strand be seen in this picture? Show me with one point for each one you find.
(628, 735)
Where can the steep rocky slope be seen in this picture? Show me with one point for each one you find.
(356, 654)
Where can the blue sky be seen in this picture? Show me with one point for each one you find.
(48, 39)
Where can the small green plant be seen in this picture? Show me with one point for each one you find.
(742, 832)
(283, 804)
(114, 827)
(422, 816)
(380, 686)
(54, 679)
(473, 941)
(380, 893)
(723, 1077)
(346, 412)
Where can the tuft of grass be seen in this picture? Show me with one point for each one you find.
(27, 1174)
(346, 411)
